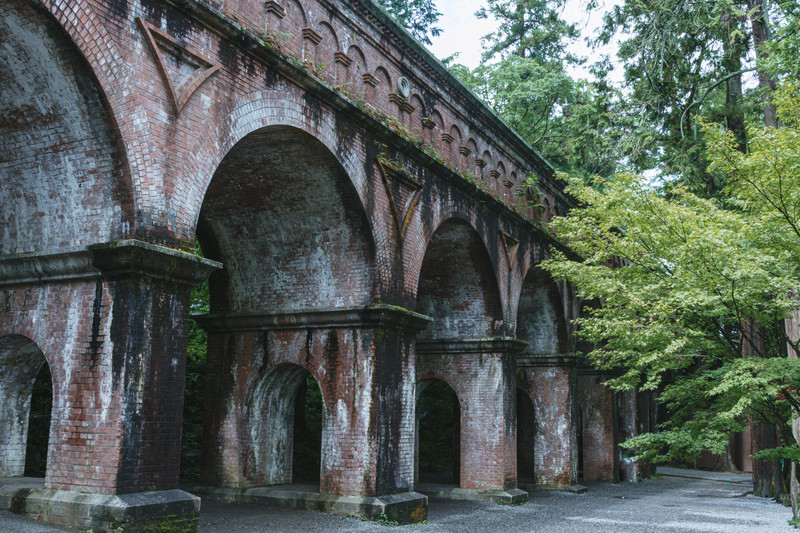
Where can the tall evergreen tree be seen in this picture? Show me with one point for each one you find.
(418, 16)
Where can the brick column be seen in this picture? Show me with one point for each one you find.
(110, 321)
(599, 438)
(362, 359)
(481, 372)
(550, 382)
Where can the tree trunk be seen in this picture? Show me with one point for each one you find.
(767, 479)
(734, 114)
(761, 34)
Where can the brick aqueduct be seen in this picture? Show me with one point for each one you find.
(363, 219)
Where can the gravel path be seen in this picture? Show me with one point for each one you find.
(665, 505)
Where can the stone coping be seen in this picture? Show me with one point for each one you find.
(550, 360)
(404, 507)
(118, 259)
(452, 492)
(486, 345)
(370, 316)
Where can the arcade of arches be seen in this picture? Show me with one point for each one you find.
(378, 331)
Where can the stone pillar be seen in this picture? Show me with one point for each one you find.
(550, 382)
(481, 372)
(110, 320)
(362, 359)
(599, 439)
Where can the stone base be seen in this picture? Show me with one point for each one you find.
(404, 508)
(451, 492)
(576, 489)
(166, 510)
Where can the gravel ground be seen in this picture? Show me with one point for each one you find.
(665, 505)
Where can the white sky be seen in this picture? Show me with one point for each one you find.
(462, 32)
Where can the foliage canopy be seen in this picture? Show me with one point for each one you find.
(697, 283)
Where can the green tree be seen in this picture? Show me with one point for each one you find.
(417, 16)
(701, 282)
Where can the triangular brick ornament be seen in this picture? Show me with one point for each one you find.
(182, 68)
(510, 245)
(403, 192)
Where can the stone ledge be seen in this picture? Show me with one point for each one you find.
(549, 360)
(487, 345)
(451, 492)
(404, 507)
(374, 315)
(141, 511)
(125, 258)
(575, 489)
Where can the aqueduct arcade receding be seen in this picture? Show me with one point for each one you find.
(363, 220)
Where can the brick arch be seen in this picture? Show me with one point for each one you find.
(541, 318)
(21, 358)
(428, 378)
(270, 423)
(63, 110)
(359, 63)
(244, 116)
(384, 88)
(477, 310)
(325, 51)
(283, 218)
(110, 66)
(416, 116)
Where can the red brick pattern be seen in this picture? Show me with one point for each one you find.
(271, 162)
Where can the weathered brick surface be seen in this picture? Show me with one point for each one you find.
(596, 402)
(274, 133)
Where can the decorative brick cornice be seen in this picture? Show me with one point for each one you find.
(446, 137)
(402, 103)
(369, 316)
(463, 150)
(494, 173)
(309, 34)
(343, 59)
(275, 8)
(480, 162)
(428, 122)
(369, 79)
(508, 184)
(120, 259)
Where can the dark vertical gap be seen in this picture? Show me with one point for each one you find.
(439, 435)
(39, 424)
(194, 393)
(526, 432)
(579, 425)
(307, 432)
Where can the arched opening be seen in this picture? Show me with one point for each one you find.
(526, 435)
(307, 445)
(62, 169)
(284, 219)
(438, 434)
(457, 285)
(540, 319)
(26, 400)
(39, 424)
(287, 426)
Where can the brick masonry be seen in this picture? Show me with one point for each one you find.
(277, 134)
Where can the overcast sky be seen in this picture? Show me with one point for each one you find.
(462, 32)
